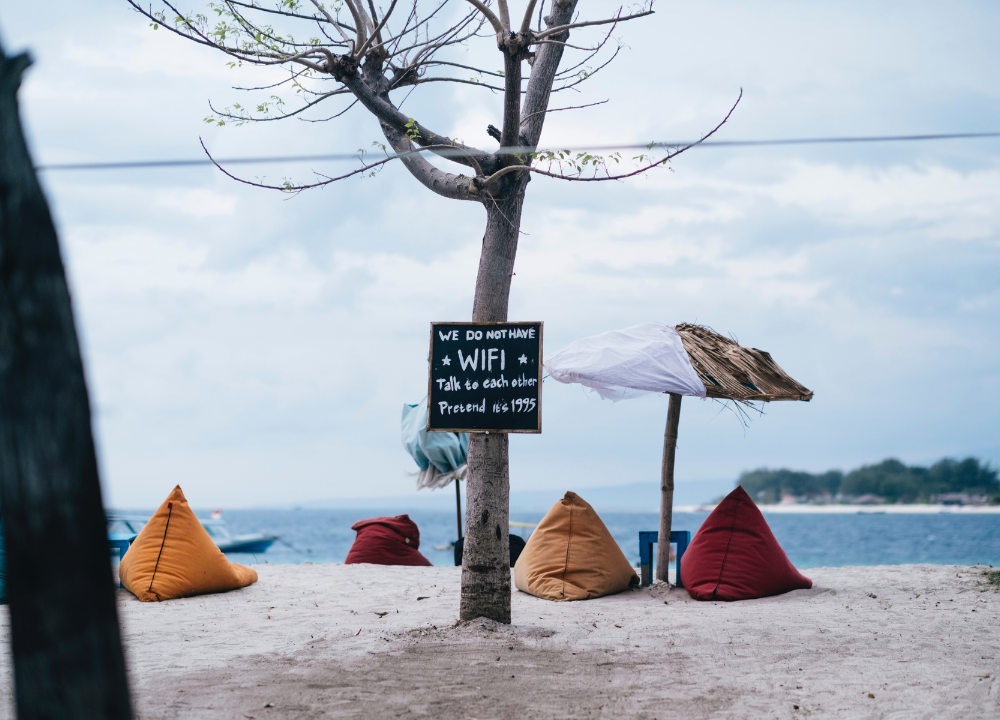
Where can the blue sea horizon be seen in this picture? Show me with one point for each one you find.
(810, 540)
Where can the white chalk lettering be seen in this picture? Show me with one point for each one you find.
(516, 405)
(446, 409)
(469, 360)
(491, 355)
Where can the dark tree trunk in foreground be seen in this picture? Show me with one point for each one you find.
(67, 652)
(667, 488)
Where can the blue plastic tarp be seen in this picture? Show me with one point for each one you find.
(444, 450)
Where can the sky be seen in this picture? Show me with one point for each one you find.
(258, 348)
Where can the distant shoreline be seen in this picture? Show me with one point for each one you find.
(902, 509)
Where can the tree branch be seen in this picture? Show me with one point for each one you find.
(451, 148)
(543, 72)
(526, 23)
(504, 14)
(493, 19)
(333, 22)
(376, 34)
(305, 107)
(501, 172)
(288, 187)
(359, 19)
(278, 12)
(389, 115)
(512, 97)
(643, 169)
(445, 184)
(572, 107)
(572, 26)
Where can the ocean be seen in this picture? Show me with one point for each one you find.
(810, 540)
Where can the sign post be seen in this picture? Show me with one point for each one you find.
(485, 377)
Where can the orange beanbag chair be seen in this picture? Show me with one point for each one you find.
(572, 556)
(735, 556)
(173, 557)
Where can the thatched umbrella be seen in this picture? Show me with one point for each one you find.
(682, 360)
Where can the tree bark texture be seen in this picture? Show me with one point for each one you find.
(667, 488)
(486, 560)
(68, 660)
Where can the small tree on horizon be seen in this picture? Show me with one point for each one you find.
(365, 55)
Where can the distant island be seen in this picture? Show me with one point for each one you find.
(948, 482)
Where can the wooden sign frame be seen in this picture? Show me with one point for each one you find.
(430, 379)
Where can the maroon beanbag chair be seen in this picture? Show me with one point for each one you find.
(386, 541)
(734, 556)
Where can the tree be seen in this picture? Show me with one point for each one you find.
(365, 56)
(68, 660)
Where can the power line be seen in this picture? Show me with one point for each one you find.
(517, 151)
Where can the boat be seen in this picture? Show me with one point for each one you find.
(124, 528)
(248, 543)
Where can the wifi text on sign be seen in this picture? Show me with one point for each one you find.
(485, 377)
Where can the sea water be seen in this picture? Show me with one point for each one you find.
(810, 540)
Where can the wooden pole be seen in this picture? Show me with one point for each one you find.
(458, 507)
(667, 487)
(65, 642)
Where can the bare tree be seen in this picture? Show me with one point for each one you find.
(374, 59)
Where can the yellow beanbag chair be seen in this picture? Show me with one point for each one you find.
(572, 556)
(173, 557)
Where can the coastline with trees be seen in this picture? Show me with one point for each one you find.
(948, 482)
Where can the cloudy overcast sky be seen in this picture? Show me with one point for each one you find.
(258, 349)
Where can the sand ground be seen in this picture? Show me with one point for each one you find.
(335, 641)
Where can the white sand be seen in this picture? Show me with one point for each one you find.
(356, 641)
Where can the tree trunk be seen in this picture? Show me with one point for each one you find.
(667, 488)
(486, 562)
(67, 652)
(486, 559)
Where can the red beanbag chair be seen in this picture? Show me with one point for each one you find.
(386, 541)
(734, 556)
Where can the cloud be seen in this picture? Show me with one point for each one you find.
(259, 348)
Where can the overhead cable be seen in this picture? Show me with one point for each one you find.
(514, 151)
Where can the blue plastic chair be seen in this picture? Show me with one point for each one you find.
(122, 541)
(648, 538)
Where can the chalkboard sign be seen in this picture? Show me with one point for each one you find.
(485, 377)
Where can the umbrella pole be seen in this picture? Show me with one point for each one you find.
(667, 487)
(458, 507)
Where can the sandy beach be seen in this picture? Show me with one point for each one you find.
(916, 641)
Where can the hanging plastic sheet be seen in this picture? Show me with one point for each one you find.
(441, 456)
(621, 364)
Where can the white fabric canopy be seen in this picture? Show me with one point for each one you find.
(647, 358)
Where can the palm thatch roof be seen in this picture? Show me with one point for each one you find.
(733, 372)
